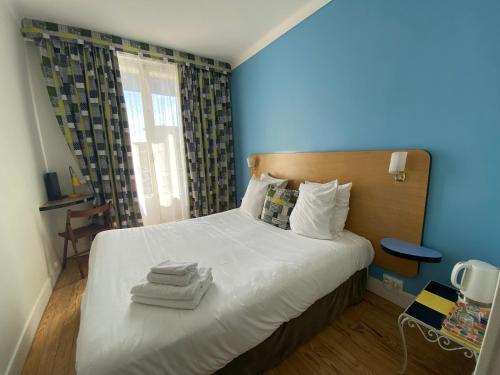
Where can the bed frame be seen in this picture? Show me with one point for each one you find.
(379, 206)
(292, 334)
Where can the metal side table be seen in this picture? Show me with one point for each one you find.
(427, 313)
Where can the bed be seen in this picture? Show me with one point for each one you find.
(263, 277)
(273, 289)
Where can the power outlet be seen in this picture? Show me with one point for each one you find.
(387, 281)
(393, 283)
(398, 284)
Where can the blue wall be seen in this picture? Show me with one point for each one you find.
(382, 74)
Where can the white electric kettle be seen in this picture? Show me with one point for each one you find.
(479, 281)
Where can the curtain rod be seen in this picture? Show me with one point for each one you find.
(39, 30)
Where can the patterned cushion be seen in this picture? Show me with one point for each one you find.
(278, 206)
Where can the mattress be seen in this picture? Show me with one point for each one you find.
(263, 276)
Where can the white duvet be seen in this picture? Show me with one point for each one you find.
(263, 277)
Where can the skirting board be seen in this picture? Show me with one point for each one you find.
(402, 299)
(23, 345)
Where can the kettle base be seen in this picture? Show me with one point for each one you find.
(470, 301)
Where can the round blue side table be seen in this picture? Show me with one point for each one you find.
(409, 250)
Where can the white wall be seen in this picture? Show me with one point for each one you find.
(25, 253)
(29, 251)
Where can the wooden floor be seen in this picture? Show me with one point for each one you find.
(364, 340)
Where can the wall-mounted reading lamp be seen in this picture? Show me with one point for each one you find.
(251, 164)
(397, 166)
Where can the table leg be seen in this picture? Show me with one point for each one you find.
(401, 321)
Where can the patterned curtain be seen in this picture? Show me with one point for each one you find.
(84, 86)
(208, 139)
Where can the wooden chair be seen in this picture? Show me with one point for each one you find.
(90, 230)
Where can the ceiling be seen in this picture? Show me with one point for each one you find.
(227, 30)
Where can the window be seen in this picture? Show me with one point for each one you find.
(153, 107)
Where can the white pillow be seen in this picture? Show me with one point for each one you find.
(341, 210)
(343, 195)
(339, 219)
(254, 197)
(279, 183)
(313, 212)
(343, 192)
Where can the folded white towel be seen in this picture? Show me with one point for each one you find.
(174, 304)
(177, 280)
(200, 282)
(169, 267)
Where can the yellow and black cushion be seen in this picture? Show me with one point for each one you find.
(278, 206)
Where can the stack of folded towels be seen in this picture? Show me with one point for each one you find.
(177, 285)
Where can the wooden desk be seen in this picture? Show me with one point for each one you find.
(65, 202)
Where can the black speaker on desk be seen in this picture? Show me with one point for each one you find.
(52, 186)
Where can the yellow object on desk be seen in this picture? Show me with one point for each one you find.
(75, 182)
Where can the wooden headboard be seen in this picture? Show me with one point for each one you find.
(379, 207)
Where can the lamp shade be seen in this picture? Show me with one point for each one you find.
(251, 161)
(398, 162)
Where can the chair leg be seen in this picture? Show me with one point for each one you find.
(82, 274)
(65, 253)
